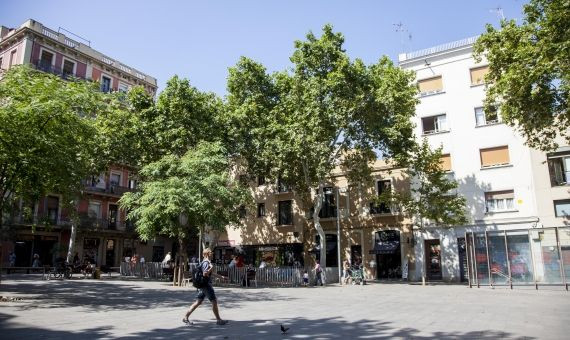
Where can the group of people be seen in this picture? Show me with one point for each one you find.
(135, 259)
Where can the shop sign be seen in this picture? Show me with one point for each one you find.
(268, 248)
(226, 243)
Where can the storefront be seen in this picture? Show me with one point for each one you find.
(290, 254)
(388, 254)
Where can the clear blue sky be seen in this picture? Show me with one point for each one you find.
(199, 40)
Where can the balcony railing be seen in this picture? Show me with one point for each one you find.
(108, 189)
(40, 219)
(58, 71)
(104, 224)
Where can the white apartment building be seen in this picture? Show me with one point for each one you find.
(489, 160)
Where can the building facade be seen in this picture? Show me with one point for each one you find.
(508, 186)
(278, 229)
(104, 235)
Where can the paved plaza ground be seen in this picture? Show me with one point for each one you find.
(108, 309)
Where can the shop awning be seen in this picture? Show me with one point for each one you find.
(385, 247)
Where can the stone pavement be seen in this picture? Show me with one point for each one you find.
(109, 309)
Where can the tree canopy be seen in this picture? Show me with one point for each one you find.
(529, 71)
(431, 196)
(327, 111)
(179, 194)
(49, 140)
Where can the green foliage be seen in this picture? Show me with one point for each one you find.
(327, 111)
(197, 185)
(529, 71)
(298, 125)
(431, 196)
(48, 135)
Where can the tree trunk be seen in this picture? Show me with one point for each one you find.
(320, 231)
(182, 263)
(71, 242)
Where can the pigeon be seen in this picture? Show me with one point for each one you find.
(284, 330)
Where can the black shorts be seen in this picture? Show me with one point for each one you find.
(208, 292)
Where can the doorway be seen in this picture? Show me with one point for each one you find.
(355, 255)
(462, 259)
(113, 213)
(433, 260)
(110, 253)
(388, 254)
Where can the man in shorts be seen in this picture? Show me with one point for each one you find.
(207, 291)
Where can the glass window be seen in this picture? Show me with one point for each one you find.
(562, 208)
(45, 60)
(520, 258)
(285, 213)
(499, 201)
(115, 179)
(68, 67)
(328, 208)
(485, 118)
(260, 209)
(260, 180)
(105, 84)
(381, 208)
(94, 210)
(242, 211)
(331, 249)
(559, 170)
(434, 124)
(546, 259)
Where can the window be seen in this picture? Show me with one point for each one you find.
(434, 124)
(285, 213)
(331, 249)
(559, 169)
(105, 84)
(382, 187)
(445, 162)
(499, 201)
(124, 88)
(12, 58)
(0, 63)
(132, 183)
(478, 75)
(52, 208)
(562, 208)
(328, 209)
(430, 86)
(46, 60)
(485, 118)
(242, 211)
(494, 156)
(115, 179)
(260, 180)
(260, 209)
(68, 67)
(94, 210)
(282, 186)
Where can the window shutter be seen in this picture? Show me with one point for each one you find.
(494, 156)
(478, 75)
(446, 162)
(430, 85)
(497, 195)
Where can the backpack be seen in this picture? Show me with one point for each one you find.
(198, 279)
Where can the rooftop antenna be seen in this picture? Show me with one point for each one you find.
(499, 12)
(85, 41)
(401, 29)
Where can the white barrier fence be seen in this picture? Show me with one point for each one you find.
(147, 270)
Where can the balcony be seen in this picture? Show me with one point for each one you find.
(92, 223)
(111, 189)
(58, 71)
(39, 219)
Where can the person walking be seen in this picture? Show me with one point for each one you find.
(12, 259)
(318, 274)
(346, 272)
(206, 291)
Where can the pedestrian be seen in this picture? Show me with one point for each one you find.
(305, 279)
(36, 262)
(12, 259)
(318, 274)
(206, 291)
(346, 272)
(166, 261)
